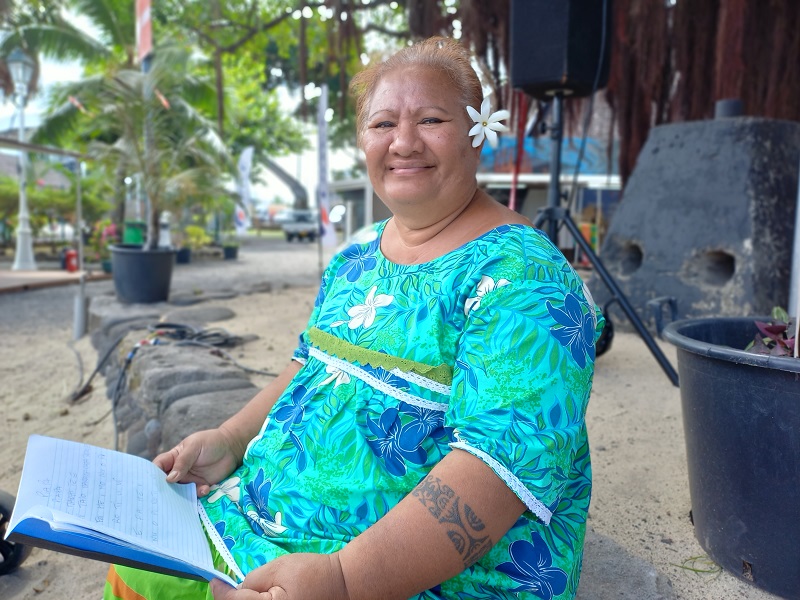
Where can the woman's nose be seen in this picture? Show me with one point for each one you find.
(406, 139)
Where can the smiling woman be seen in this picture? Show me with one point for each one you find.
(428, 440)
(416, 144)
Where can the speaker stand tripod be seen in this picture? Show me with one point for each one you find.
(554, 215)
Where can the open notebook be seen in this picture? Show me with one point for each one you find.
(114, 507)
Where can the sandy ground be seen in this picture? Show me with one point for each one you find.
(640, 497)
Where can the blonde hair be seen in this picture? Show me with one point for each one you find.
(438, 53)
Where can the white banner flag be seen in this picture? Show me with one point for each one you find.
(328, 233)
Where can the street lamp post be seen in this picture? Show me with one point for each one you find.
(21, 67)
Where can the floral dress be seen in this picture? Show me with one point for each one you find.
(488, 349)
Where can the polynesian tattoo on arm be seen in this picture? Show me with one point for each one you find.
(463, 525)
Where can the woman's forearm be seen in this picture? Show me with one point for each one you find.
(245, 424)
(447, 523)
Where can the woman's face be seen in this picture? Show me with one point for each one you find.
(419, 157)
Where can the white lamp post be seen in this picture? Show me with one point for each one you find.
(21, 67)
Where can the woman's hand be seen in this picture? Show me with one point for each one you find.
(205, 458)
(290, 577)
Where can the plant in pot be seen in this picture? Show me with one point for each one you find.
(230, 245)
(776, 337)
(230, 248)
(194, 239)
(152, 125)
(740, 395)
(105, 234)
(227, 208)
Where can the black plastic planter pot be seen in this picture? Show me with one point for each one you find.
(183, 256)
(141, 276)
(741, 417)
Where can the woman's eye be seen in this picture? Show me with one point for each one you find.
(383, 124)
(430, 120)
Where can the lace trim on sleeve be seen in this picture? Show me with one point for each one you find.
(511, 480)
(220, 546)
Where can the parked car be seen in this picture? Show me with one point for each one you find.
(300, 225)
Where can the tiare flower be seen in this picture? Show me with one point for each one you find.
(486, 125)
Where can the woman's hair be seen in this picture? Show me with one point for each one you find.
(439, 53)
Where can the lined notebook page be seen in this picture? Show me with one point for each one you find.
(117, 494)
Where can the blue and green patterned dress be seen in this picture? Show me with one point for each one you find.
(488, 349)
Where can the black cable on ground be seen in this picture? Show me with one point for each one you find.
(119, 386)
(218, 352)
(84, 388)
(216, 336)
(181, 334)
(80, 388)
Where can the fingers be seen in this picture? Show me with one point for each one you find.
(278, 593)
(184, 456)
(222, 591)
(263, 578)
(177, 464)
(164, 461)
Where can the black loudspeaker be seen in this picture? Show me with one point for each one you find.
(560, 46)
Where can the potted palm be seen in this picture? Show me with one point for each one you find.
(741, 415)
(152, 125)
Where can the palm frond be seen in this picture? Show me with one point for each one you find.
(210, 135)
(58, 126)
(115, 18)
(63, 43)
(66, 111)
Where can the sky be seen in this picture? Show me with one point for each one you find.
(51, 73)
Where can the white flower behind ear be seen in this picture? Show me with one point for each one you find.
(486, 125)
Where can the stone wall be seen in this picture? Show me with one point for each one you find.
(163, 389)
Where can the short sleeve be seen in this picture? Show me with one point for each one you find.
(521, 383)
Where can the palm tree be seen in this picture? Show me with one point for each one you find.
(42, 28)
(149, 124)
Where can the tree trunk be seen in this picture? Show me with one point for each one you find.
(299, 192)
(303, 67)
(120, 193)
(219, 81)
(219, 78)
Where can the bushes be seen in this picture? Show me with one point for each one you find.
(48, 203)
